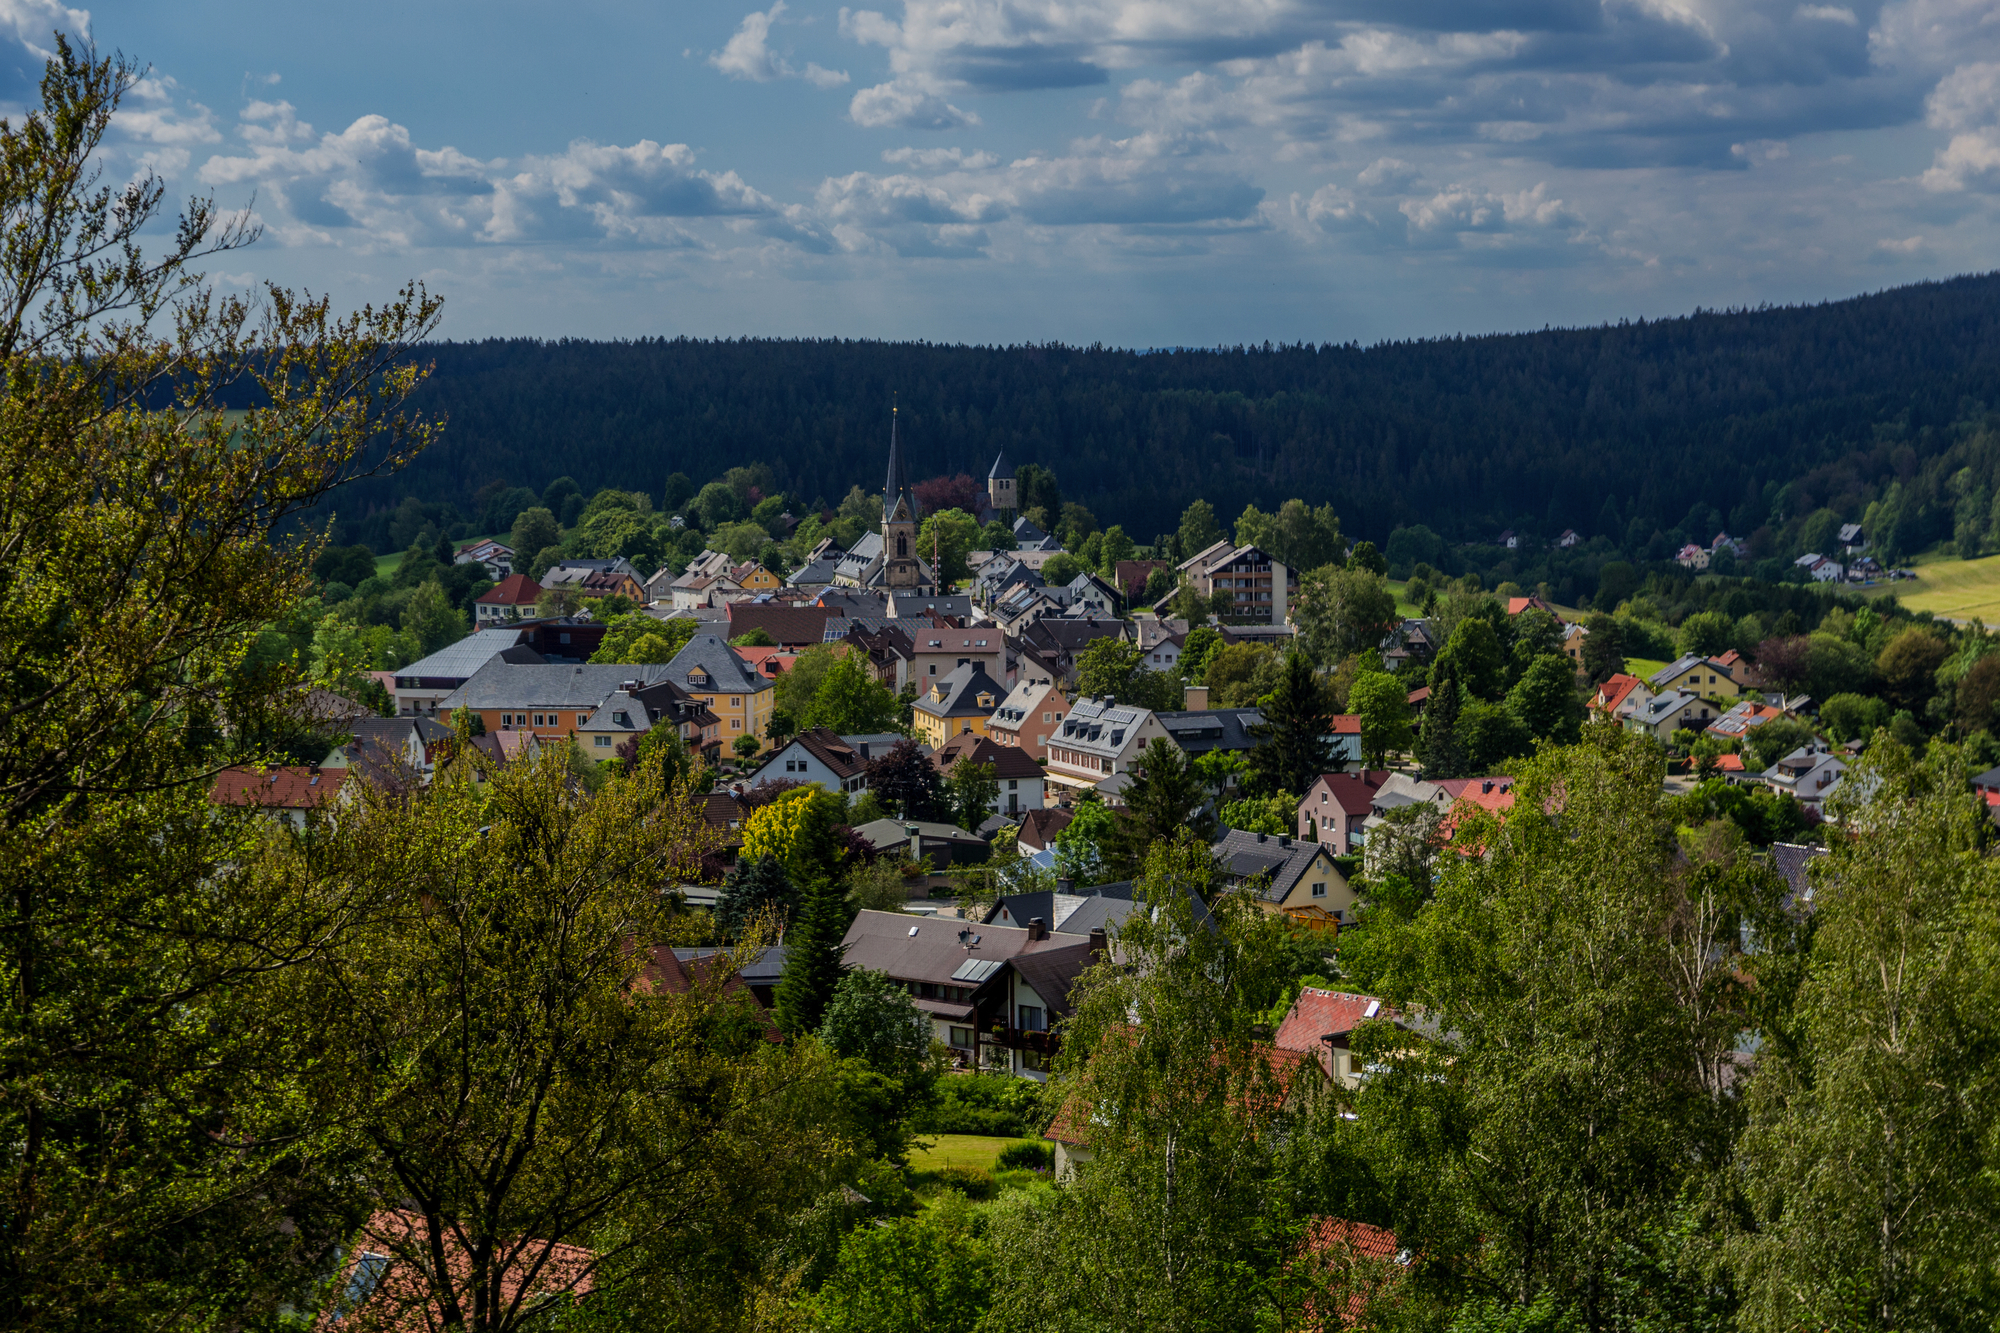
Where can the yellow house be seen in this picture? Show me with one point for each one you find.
(958, 704)
(1702, 676)
(754, 578)
(741, 698)
(1290, 876)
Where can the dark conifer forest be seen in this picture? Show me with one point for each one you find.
(1612, 430)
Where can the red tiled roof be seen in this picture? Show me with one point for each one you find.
(1318, 1014)
(1340, 1248)
(277, 788)
(1346, 724)
(1613, 692)
(392, 1294)
(1421, 694)
(514, 590)
(1068, 1125)
(1354, 792)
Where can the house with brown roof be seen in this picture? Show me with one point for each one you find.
(512, 598)
(793, 626)
(1320, 1024)
(1020, 777)
(390, 1281)
(1039, 828)
(1131, 576)
(1336, 806)
(936, 653)
(958, 975)
(1031, 713)
(291, 796)
(816, 755)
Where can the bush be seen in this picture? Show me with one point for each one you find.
(1030, 1156)
(970, 1181)
(997, 1105)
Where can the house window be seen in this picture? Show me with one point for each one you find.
(1322, 798)
(1035, 1060)
(538, 719)
(736, 701)
(961, 1037)
(1013, 784)
(1032, 1019)
(583, 719)
(736, 724)
(602, 742)
(1319, 890)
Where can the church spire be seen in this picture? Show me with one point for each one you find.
(897, 490)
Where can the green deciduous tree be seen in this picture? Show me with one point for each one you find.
(1198, 530)
(1473, 657)
(955, 533)
(1341, 612)
(152, 1106)
(1603, 647)
(624, 635)
(1544, 700)
(973, 789)
(849, 701)
(1118, 667)
(924, 1274)
(1382, 702)
(1868, 1148)
(431, 619)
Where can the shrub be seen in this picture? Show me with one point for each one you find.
(1030, 1156)
(998, 1105)
(967, 1180)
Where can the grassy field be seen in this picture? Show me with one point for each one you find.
(1642, 667)
(1959, 589)
(942, 1150)
(385, 565)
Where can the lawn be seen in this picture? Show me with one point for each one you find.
(958, 1150)
(1642, 667)
(385, 565)
(1958, 589)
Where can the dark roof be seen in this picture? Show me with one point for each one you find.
(1791, 860)
(1039, 827)
(1053, 973)
(897, 488)
(790, 624)
(926, 948)
(711, 654)
(581, 688)
(1002, 470)
(962, 687)
(1008, 761)
(844, 759)
(1203, 730)
(1285, 859)
(763, 970)
(1070, 635)
(1988, 781)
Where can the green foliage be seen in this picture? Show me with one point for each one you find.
(1850, 717)
(1544, 701)
(1061, 568)
(1292, 746)
(1118, 667)
(1203, 642)
(1300, 536)
(1198, 529)
(756, 893)
(995, 1105)
(1086, 845)
(639, 638)
(955, 534)
(1439, 747)
(756, 638)
(1472, 657)
(1341, 612)
(1762, 814)
(1027, 1157)
(906, 782)
(924, 1274)
(1603, 647)
(1778, 738)
(1165, 796)
(1382, 702)
(1261, 814)
(812, 957)
(972, 789)
(872, 1018)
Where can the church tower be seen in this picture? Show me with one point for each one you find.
(902, 565)
(1000, 488)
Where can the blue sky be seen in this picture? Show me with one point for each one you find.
(1138, 172)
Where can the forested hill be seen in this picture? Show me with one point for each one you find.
(1610, 429)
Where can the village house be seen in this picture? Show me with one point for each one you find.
(497, 558)
(596, 578)
(292, 796)
(1661, 716)
(817, 755)
(936, 653)
(1573, 637)
(1289, 876)
(512, 598)
(1039, 828)
(636, 708)
(710, 671)
(793, 626)
(1321, 1023)
(1021, 779)
(1098, 739)
(423, 684)
(1744, 718)
(1696, 675)
(1811, 773)
(551, 699)
(1620, 696)
(956, 704)
(1032, 712)
(1336, 808)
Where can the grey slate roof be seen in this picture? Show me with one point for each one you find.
(1202, 730)
(1247, 855)
(569, 688)
(908, 604)
(1027, 533)
(1002, 470)
(463, 659)
(710, 654)
(962, 688)
(1674, 668)
(1791, 860)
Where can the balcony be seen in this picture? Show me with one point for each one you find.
(1025, 1039)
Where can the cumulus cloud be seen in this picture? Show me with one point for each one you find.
(1392, 207)
(1966, 101)
(906, 106)
(748, 54)
(939, 159)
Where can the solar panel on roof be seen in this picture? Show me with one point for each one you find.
(976, 969)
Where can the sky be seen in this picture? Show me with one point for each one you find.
(1135, 172)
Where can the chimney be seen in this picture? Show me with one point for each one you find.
(1065, 885)
(1284, 840)
(1110, 701)
(1038, 929)
(1197, 698)
(1260, 837)
(1100, 943)
(1486, 786)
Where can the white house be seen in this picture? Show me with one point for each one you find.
(816, 755)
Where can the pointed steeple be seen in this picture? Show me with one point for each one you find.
(897, 490)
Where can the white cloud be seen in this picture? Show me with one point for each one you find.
(748, 54)
(906, 106)
(939, 159)
(31, 23)
(1967, 100)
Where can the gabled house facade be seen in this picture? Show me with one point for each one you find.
(1337, 806)
(741, 698)
(956, 704)
(512, 598)
(1032, 712)
(496, 557)
(816, 755)
(1288, 876)
(1021, 779)
(1099, 739)
(1696, 675)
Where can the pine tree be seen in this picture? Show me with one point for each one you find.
(812, 957)
(1438, 747)
(752, 888)
(1291, 749)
